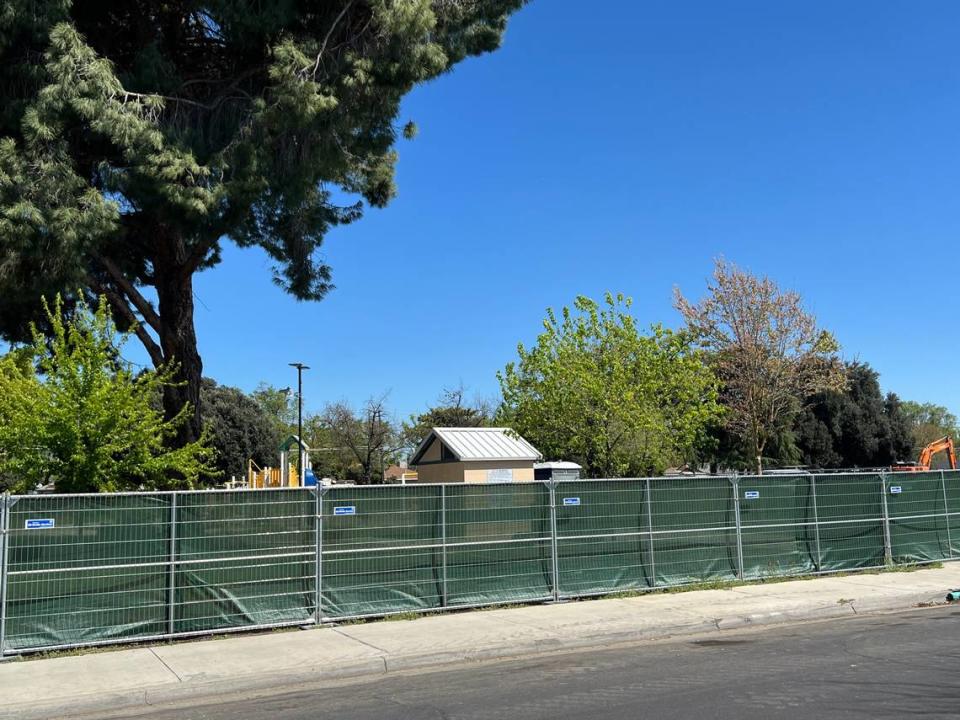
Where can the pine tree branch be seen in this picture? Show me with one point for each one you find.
(323, 46)
(142, 305)
(198, 253)
(120, 306)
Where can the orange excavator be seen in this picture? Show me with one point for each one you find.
(944, 444)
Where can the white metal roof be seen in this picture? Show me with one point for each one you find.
(471, 443)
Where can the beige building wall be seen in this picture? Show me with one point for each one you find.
(470, 472)
(476, 472)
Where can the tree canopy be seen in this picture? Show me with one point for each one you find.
(279, 404)
(239, 429)
(929, 422)
(595, 390)
(768, 352)
(136, 136)
(72, 411)
(859, 427)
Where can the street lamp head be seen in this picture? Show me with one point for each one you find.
(299, 366)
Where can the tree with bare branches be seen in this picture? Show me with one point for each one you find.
(767, 350)
(363, 443)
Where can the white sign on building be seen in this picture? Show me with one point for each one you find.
(500, 475)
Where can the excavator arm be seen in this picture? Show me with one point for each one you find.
(944, 444)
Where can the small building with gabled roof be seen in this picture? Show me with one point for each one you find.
(474, 455)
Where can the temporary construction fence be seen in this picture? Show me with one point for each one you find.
(97, 569)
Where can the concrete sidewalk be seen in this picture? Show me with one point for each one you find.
(150, 674)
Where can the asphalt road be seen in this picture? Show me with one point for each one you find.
(891, 666)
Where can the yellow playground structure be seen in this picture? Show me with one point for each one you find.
(271, 477)
(286, 474)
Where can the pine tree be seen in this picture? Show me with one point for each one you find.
(137, 135)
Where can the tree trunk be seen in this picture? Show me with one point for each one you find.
(178, 339)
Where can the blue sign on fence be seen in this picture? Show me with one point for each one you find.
(571, 501)
(40, 524)
(345, 510)
(896, 489)
(751, 495)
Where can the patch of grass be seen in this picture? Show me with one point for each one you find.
(499, 606)
(71, 652)
(703, 585)
(910, 567)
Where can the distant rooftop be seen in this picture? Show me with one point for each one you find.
(472, 444)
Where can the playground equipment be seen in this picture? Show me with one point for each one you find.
(944, 444)
(271, 477)
(285, 475)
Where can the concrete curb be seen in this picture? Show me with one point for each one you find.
(178, 691)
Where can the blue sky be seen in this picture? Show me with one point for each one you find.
(623, 150)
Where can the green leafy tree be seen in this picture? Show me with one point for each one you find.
(280, 405)
(136, 136)
(859, 427)
(597, 391)
(75, 413)
(929, 422)
(239, 429)
(768, 352)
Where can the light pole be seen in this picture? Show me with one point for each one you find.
(300, 368)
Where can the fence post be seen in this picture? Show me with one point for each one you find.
(172, 572)
(736, 514)
(816, 521)
(653, 559)
(555, 574)
(887, 545)
(318, 555)
(4, 544)
(946, 513)
(443, 545)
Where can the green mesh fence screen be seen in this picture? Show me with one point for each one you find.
(381, 550)
(694, 530)
(603, 539)
(86, 569)
(244, 559)
(850, 514)
(916, 506)
(778, 530)
(112, 568)
(951, 486)
(499, 543)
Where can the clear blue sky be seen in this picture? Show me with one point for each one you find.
(622, 147)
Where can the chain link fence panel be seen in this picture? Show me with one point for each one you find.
(694, 530)
(603, 537)
(917, 510)
(778, 528)
(381, 549)
(95, 569)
